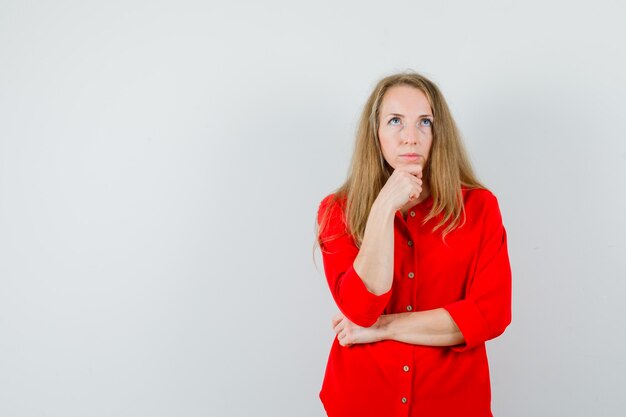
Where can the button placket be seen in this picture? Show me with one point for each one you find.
(406, 368)
(408, 302)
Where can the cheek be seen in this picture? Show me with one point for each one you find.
(387, 146)
(384, 140)
(428, 145)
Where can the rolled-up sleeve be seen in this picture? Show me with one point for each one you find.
(351, 295)
(485, 312)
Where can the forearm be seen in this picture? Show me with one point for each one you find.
(374, 262)
(428, 328)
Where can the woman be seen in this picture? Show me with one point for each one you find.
(416, 259)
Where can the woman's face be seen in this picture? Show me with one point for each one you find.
(405, 126)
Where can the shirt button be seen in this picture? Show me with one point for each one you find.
(411, 274)
(410, 243)
(412, 214)
(409, 308)
(406, 368)
(404, 400)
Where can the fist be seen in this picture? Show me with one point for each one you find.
(404, 185)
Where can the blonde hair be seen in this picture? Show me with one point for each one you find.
(447, 170)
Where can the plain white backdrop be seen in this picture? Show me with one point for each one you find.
(161, 164)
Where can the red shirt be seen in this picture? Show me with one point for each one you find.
(469, 275)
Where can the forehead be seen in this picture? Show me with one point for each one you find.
(406, 100)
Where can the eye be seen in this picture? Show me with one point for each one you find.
(427, 122)
(394, 121)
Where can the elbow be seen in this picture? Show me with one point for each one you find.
(357, 302)
(478, 325)
(501, 325)
(497, 322)
(361, 318)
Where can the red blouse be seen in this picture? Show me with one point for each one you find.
(469, 275)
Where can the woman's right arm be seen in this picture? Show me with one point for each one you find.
(360, 280)
(339, 251)
(374, 262)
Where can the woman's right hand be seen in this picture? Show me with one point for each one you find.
(404, 185)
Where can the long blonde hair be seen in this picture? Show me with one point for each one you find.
(447, 170)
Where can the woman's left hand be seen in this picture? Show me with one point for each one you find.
(349, 333)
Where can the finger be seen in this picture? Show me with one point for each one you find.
(337, 318)
(416, 183)
(337, 328)
(415, 187)
(344, 340)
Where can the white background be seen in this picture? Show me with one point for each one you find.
(161, 164)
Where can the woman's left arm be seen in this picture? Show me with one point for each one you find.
(428, 328)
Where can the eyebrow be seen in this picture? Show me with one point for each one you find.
(402, 115)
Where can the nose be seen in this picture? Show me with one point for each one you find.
(410, 135)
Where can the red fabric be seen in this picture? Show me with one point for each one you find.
(469, 275)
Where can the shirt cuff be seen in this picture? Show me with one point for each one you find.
(357, 303)
(470, 322)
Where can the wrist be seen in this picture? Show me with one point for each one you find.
(384, 326)
(382, 209)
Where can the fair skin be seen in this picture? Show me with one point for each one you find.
(405, 134)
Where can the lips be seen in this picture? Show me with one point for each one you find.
(412, 158)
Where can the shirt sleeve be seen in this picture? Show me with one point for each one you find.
(351, 295)
(486, 311)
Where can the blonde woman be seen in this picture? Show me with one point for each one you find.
(416, 259)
